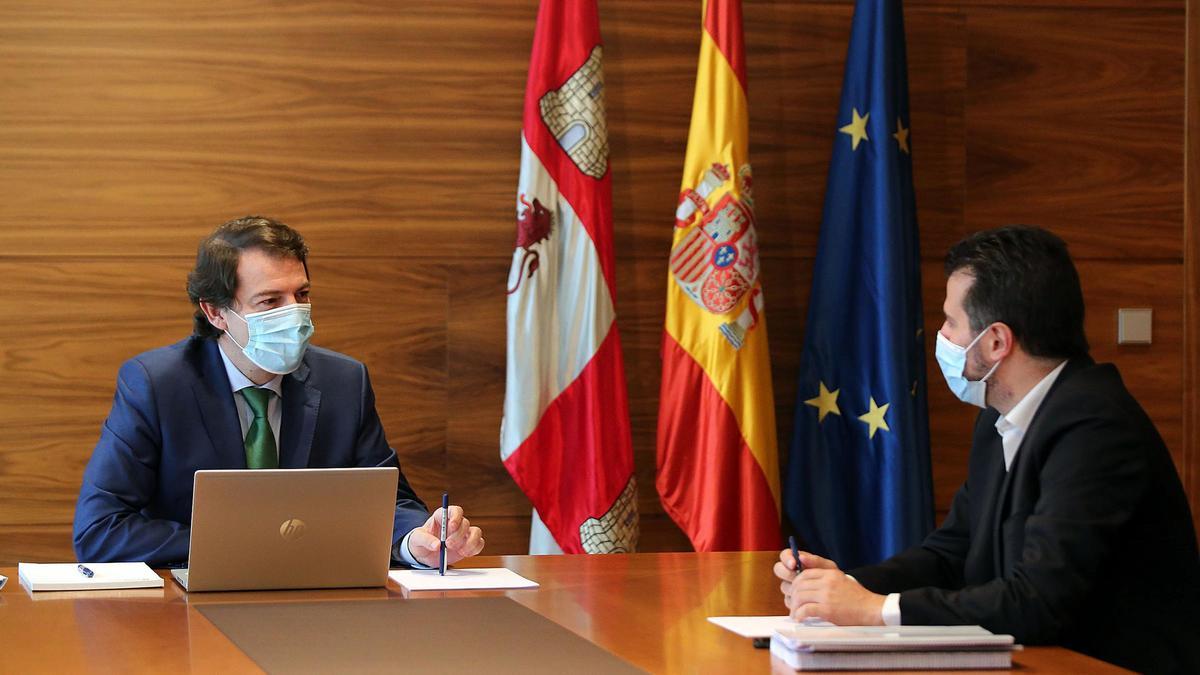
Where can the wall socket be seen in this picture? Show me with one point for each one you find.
(1134, 325)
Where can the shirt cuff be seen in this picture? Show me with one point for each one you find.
(891, 610)
(406, 555)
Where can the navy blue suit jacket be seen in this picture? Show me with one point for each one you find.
(174, 413)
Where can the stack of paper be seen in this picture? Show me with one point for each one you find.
(891, 648)
(73, 577)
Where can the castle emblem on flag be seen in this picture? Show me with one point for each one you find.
(617, 530)
(534, 226)
(574, 113)
(716, 260)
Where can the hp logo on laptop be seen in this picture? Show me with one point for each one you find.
(292, 529)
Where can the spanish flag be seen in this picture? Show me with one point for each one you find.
(718, 472)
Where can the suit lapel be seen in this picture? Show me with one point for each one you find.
(218, 413)
(1000, 511)
(1003, 499)
(989, 554)
(299, 420)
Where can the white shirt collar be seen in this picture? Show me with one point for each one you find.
(238, 380)
(1022, 413)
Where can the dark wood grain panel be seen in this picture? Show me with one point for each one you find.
(71, 325)
(1191, 266)
(347, 136)
(35, 543)
(1073, 122)
(345, 118)
(1151, 372)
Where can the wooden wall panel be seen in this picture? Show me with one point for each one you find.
(1191, 261)
(69, 327)
(1073, 122)
(390, 138)
(137, 124)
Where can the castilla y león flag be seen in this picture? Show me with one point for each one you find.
(565, 437)
(718, 472)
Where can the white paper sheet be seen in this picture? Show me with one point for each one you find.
(760, 626)
(478, 578)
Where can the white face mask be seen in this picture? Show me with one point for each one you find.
(277, 338)
(953, 361)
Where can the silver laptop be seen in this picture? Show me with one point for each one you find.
(265, 529)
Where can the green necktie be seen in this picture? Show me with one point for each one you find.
(260, 442)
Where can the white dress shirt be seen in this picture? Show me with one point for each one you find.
(1011, 427)
(238, 381)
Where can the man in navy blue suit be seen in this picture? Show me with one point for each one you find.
(244, 391)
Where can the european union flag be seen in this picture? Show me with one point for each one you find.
(858, 481)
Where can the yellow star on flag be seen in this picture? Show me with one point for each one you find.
(825, 402)
(857, 129)
(901, 136)
(874, 419)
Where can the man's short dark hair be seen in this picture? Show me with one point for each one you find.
(1025, 279)
(214, 279)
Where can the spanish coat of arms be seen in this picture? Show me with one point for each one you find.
(715, 262)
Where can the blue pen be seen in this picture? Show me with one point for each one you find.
(85, 571)
(795, 553)
(442, 548)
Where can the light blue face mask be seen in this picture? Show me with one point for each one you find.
(953, 361)
(278, 337)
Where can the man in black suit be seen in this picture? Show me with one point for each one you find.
(1072, 527)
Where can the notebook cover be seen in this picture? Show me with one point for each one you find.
(906, 660)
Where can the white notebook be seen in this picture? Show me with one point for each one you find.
(69, 576)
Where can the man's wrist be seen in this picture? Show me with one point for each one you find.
(406, 554)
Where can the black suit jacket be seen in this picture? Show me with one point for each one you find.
(1087, 541)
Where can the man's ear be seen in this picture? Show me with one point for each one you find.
(213, 313)
(999, 342)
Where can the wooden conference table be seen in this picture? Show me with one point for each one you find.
(650, 609)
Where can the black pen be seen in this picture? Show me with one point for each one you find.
(442, 548)
(85, 571)
(795, 553)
